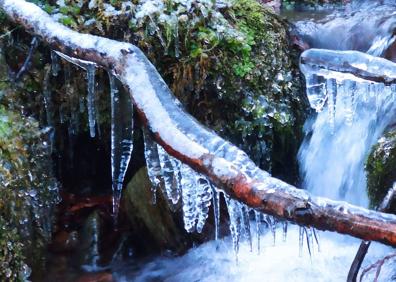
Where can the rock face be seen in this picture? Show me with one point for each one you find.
(155, 225)
(380, 168)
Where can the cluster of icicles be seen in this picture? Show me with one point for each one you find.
(180, 185)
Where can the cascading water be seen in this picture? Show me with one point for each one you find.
(351, 115)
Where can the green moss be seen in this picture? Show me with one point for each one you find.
(28, 189)
(380, 168)
(234, 56)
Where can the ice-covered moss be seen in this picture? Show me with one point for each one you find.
(28, 188)
(380, 168)
(230, 62)
(12, 265)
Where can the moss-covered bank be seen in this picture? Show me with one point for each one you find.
(380, 168)
(27, 186)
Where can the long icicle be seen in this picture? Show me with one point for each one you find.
(152, 163)
(121, 140)
(91, 99)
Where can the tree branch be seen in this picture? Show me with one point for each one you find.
(184, 138)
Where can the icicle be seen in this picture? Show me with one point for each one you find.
(316, 92)
(81, 104)
(284, 227)
(176, 183)
(271, 224)
(49, 107)
(170, 175)
(331, 89)
(203, 201)
(121, 139)
(159, 34)
(246, 225)
(316, 237)
(234, 213)
(177, 43)
(189, 198)
(349, 97)
(258, 217)
(91, 99)
(55, 67)
(90, 67)
(216, 210)
(308, 233)
(300, 240)
(152, 163)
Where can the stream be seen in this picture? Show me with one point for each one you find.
(351, 114)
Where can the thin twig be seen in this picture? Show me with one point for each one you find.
(364, 245)
(378, 264)
(26, 64)
(8, 33)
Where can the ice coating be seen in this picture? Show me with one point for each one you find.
(355, 63)
(121, 138)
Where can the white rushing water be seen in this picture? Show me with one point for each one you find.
(215, 261)
(355, 115)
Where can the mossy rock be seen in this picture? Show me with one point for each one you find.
(229, 62)
(381, 169)
(28, 188)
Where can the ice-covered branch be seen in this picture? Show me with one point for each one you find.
(184, 138)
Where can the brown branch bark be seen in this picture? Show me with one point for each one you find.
(184, 138)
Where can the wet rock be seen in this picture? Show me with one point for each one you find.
(154, 226)
(380, 168)
(64, 241)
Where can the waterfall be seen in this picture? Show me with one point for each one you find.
(352, 113)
